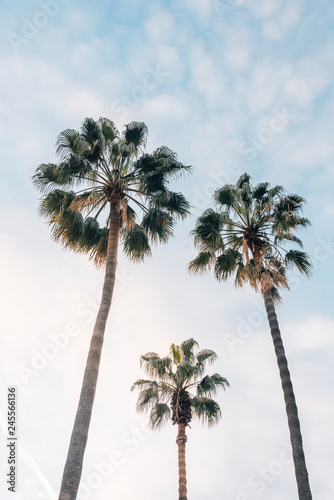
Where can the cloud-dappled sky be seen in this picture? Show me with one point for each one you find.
(231, 86)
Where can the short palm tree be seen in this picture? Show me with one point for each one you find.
(246, 236)
(125, 190)
(167, 395)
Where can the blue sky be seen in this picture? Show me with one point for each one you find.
(231, 86)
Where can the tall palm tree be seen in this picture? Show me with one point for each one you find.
(115, 177)
(167, 394)
(246, 235)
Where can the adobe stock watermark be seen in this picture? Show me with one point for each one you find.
(265, 476)
(247, 327)
(278, 122)
(223, 7)
(31, 27)
(131, 440)
(57, 342)
(151, 80)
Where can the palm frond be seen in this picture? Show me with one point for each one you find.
(155, 366)
(227, 263)
(143, 384)
(186, 372)
(135, 243)
(148, 397)
(160, 415)
(135, 134)
(168, 163)
(207, 231)
(187, 349)
(145, 165)
(202, 263)
(225, 196)
(165, 155)
(67, 229)
(128, 217)
(291, 203)
(284, 236)
(206, 355)
(206, 410)
(260, 190)
(69, 143)
(243, 181)
(149, 400)
(87, 200)
(158, 225)
(274, 192)
(108, 129)
(176, 353)
(54, 203)
(153, 184)
(175, 203)
(300, 260)
(248, 274)
(91, 233)
(98, 252)
(50, 176)
(209, 385)
(91, 133)
(275, 295)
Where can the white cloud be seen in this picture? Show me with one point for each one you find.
(207, 78)
(264, 88)
(308, 80)
(202, 7)
(277, 28)
(315, 334)
(169, 58)
(277, 18)
(238, 57)
(262, 9)
(83, 102)
(166, 106)
(298, 89)
(161, 26)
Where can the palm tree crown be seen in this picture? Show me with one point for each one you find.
(247, 235)
(168, 394)
(111, 169)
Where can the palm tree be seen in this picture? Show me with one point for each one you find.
(167, 394)
(246, 236)
(115, 177)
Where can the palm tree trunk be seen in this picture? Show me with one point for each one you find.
(304, 491)
(181, 445)
(74, 462)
